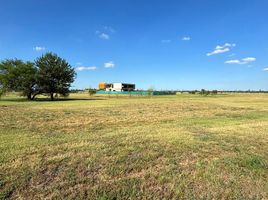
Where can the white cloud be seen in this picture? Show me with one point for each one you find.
(233, 62)
(109, 64)
(218, 51)
(165, 41)
(265, 69)
(242, 61)
(38, 48)
(82, 68)
(104, 36)
(225, 45)
(109, 28)
(187, 38)
(105, 32)
(221, 49)
(249, 59)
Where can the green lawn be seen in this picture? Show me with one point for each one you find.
(161, 147)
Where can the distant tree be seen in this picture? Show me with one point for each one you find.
(129, 92)
(76, 90)
(55, 75)
(214, 92)
(150, 91)
(193, 92)
(204, 92)
(91, 91)
(16, 75)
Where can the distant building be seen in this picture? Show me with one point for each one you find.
(119, 87)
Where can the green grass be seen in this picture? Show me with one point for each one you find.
(160, 147)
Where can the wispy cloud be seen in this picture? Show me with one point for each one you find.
(242, 61)
(225, 45)
(165, 41)
(231, 55)
(186, 38)
(221, 49)
(265, 69)
(233, 62)
(109, 64)
(38, 48)
(105, 32)
(104, 36)
(249, 59)
(83, 68)
(218, 51)
(109, 29)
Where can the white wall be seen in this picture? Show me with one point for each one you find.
(117, 86)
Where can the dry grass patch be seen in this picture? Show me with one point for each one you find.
(185, 146)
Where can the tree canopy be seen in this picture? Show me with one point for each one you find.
(49, 74)
(55, 75)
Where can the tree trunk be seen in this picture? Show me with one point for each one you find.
(29, 96)
(51, 96)
(34, 95)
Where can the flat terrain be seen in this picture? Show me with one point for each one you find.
(183, 146)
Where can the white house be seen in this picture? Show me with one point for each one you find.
(119, 87)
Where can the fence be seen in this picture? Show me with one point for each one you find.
(141, 93)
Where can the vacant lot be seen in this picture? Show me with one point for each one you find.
(183, 146)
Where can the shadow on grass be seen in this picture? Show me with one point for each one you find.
(69, 99)
(49, 100)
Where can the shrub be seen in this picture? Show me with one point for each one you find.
(204, 92)
(91, 91)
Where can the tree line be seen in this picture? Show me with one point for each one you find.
(47, 75)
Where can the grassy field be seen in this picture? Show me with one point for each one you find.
(163, 147)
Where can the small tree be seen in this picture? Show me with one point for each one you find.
(214, 92)
(129, 92)
(193, 92)
(204, 92)
(150, 91)
(91, 91)
(54, 75)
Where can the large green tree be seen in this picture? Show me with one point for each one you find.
(16, 75)
(54, 75)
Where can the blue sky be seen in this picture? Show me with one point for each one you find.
(167, 44)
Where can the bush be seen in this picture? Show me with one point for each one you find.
(214, 92)
(91, 91)
(204, 92)
(193, 92)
